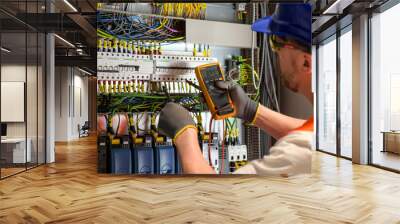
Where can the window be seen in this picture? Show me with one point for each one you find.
(385, 89)
(346, 92)
(22, 76)
(326, 104)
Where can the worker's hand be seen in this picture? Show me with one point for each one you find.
(174, 120)
(246, 109)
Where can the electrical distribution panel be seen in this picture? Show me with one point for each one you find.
(136, 78)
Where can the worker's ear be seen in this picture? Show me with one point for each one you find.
(302, 61)
(307, 63)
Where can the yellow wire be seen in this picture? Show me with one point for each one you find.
(187, 10)
(175, 38)
(104, 34)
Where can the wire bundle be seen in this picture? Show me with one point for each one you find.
(134, 102)
(113, 25)
(242, 73)
(186, 10)
(231, 133)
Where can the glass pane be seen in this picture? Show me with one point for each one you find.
(22, 67)
(32, 88)
(41, 98)
(385, 84)
(327, 96)
(346, 94)
(13, 86)
(31, 98)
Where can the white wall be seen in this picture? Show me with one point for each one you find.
(12, 73)
(62, 81)
(16, 73)
(80, 109)
(34, 124)
(71, 102)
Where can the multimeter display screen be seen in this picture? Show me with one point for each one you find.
(211, 73)
(219, 97)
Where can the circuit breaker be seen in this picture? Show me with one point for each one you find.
(213, 147)
(143, 156)
(164, 157)
(121, 158)
(102, 151)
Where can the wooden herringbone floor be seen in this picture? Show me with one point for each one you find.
(70, 191)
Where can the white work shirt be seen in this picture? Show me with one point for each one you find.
(291, 155)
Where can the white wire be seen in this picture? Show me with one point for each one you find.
(252, 47)
(274, 90)
(233, 70)
(270, 73)
(262, 70)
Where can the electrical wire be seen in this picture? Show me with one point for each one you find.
(262, 71)
(122, 26)
(209, 142)
(222, 147)
(252, 48)
(119, 121)
(186, 10)
(145, 102)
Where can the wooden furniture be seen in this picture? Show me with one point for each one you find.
(391, 141)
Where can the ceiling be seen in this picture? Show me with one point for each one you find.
(331, 15)
(21, 20)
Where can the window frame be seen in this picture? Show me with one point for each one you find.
(31, 30)
(380, 9)
(333, 37)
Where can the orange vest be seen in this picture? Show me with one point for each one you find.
(307, 126)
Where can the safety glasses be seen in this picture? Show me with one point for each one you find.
(277, 43)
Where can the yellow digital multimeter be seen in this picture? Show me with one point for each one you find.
(218, 101)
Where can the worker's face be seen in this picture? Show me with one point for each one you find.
(295, 68)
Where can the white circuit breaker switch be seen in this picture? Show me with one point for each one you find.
(237, 153)
(241, 6)
(243, 152)
(214, 156)
(231, 153)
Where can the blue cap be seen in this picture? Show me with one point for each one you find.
(290, 20)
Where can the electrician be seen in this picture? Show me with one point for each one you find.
(289, 36)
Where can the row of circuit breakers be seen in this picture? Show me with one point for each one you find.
(124, 72)
(149, 157)
(141, 73)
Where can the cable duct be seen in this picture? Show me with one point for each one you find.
(269, 89)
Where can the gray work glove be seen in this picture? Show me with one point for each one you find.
(173, 120)
(246, 109)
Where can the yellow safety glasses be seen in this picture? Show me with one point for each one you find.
(276, 43)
